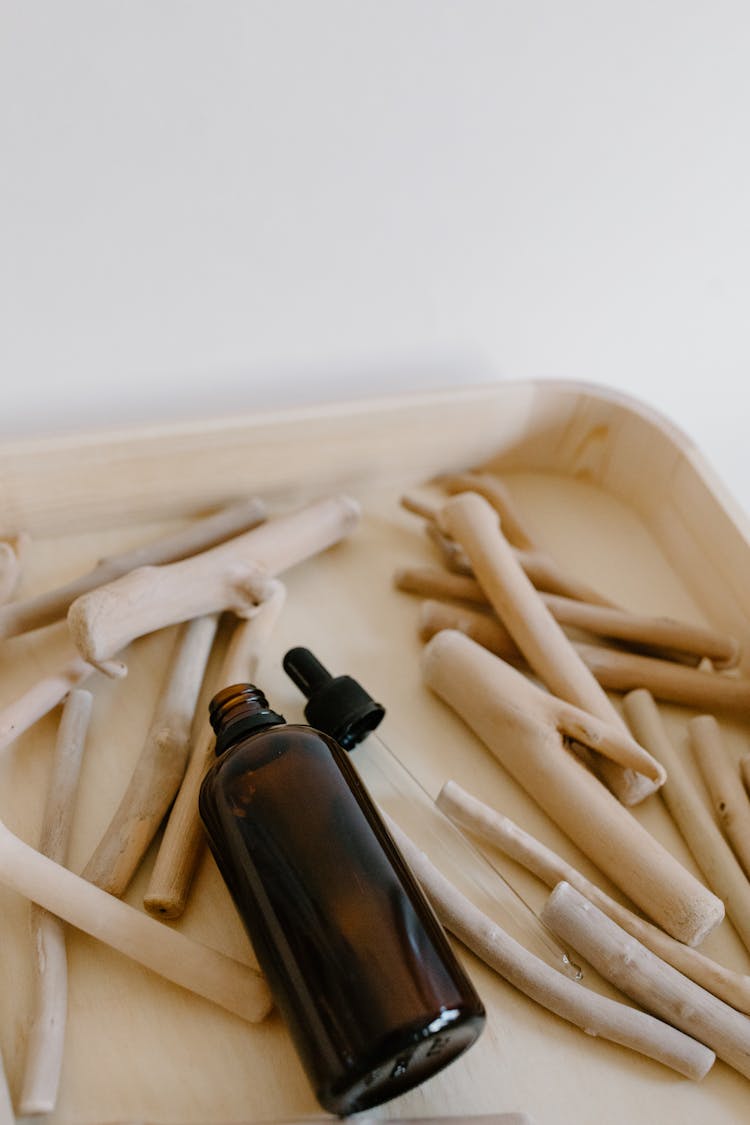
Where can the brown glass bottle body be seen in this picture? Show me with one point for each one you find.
(359, 967)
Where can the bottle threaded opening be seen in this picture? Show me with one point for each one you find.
(238, 710)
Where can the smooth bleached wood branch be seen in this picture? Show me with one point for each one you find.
(728, 796)
(648, 980)
(613, 669)
(12, 550)
(234, 986)
(160, 767)
(594, 1014)
(731, 987)
(184, 839)
(471, 521)
(32, 705)
(478, 687)
(695, 823)
(663, 635)
(225, 578)
(44, 1052)
(33, 613)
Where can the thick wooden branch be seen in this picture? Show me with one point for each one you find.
(160, 767)
(662, 635)
(594, 1014)
(232, 985)
(471, 522)
(184, 838)
(225, 578)
(729, 799)
(647, 979)
(477, 685)
(710, 850)
(21, 617)
(612, 668)
(44, 1053)
(513, 841)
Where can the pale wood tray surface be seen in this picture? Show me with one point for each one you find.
(613, 492)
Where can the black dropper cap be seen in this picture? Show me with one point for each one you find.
(337, 705)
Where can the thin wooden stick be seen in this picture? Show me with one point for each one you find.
(160, 767)
(613, 669)
(184, 840)
(730, 801)
(16, 717)
(513, 841)
(594, 1014)
(225, 578)
(647, 979)
(44, 1054)
(12, 550)
(474, 524)
(221, 979)
(7, 1117)
(22, 617)
(660, 634)
(478, 686)
(710, 850)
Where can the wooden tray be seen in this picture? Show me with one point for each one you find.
(616, 494)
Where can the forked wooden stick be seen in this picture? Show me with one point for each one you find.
(730, 801)
(184, 838)
(691, 816)
(613, 669)
(496, 493)
(44, 1053)
(482, 690)
(43, 609)
(232, 985)
(12, 550)
(160, 767)
(16, 717)
(594, 1014)
(647, 979)
(225, 578)
(513, 841)
(474, 524)
(661, 634)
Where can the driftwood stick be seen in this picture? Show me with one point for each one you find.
(613, 669)
(225, 578)
(160, 767)
(647, 979)
(232, 985)
(691, 816)
(730, 801)
(473, 523)
(476, 685)
(7, 1117)
(17, 716)
(513, 841)
(184, 839)
(35, 612)
(498, 495)
(594, 1014)
(661, 634)
(44, 1054)
(12, 550)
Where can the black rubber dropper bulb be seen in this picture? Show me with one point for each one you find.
(337, 705)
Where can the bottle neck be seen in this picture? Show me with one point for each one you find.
(238, 711)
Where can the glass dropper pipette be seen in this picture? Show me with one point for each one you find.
(341, 707)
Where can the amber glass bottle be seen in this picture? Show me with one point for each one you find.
(359, 966)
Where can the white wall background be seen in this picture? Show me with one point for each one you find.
(219, 204)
